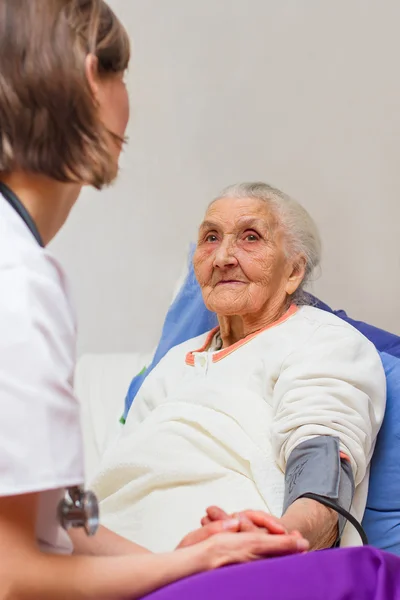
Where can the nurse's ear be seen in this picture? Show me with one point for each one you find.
(92, 73)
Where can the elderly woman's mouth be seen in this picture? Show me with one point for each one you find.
(230, 282)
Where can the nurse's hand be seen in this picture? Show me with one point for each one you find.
(233, 548)
(212, 528)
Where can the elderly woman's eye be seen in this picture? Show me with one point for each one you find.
(211, 237)
(251, 237)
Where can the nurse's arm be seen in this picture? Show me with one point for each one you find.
(26, 573)
(108, 543)
(104, 543)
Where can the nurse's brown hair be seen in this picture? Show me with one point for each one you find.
(49, 120)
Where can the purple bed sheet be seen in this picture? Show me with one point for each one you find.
(341, 574)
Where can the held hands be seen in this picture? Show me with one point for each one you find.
(305, 519)
(250, 520)
(242, 538)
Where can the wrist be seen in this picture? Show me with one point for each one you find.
(316, 523)
(196, 558)
(211, 553)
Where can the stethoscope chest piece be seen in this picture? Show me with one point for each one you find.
(79, 508)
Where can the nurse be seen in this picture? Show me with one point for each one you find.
(63, 114)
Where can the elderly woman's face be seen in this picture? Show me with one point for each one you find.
(240, 261)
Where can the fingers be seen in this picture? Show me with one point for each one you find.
(213, 528)
(214, 513)
(262, 519)
(274, 545)
(232, 525)
(257, 517)
(225, 549)
(246, 524)
(296, 534)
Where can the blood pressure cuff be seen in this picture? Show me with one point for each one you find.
(317, 466)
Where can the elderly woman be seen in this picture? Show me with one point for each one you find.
(279, 401)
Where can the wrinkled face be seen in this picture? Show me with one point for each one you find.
(240, 260)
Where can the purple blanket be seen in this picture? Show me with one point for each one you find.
(359, 573)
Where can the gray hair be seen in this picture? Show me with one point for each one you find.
(300, 231)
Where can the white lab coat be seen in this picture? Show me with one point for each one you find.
(40, 437)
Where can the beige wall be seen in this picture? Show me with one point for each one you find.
(304, 94)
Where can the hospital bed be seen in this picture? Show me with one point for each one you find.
(102, 382)
(360, 573)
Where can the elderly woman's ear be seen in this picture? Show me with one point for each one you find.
(297, 271)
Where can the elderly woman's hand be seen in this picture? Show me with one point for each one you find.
(250, 520)
(304, 519)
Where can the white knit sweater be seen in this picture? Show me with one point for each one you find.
(218, 427)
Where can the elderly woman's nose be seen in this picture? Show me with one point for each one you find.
(225, 255)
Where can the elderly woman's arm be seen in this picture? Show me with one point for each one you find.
(317, 523)
(332, 387)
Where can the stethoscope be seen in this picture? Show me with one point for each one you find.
(78, 508)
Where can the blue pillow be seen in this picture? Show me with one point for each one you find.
(382, 515)
(382, 340)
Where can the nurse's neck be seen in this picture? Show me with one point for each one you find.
(48, 201)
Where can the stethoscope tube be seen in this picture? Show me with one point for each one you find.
(20, 209)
